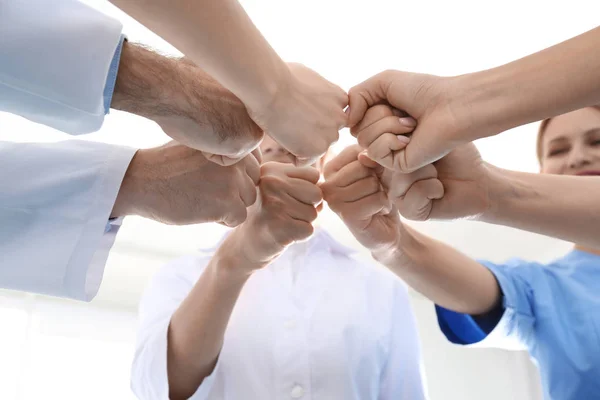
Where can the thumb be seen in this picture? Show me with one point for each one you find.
(424, 148)
(368, 162)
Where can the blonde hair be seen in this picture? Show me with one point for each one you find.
(542, 130)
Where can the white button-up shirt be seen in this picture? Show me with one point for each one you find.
(315, 325)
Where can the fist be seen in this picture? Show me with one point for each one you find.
(287, 206)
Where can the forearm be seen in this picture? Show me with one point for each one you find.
(564, 207)
(556, 80)
(219, 37)
(441, 273)
(155, 86)
(198, 326)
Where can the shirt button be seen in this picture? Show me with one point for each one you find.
(290, 325)
(297, 392)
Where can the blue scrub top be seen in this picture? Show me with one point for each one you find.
(551, 310)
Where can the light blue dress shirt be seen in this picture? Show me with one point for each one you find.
(551, 310)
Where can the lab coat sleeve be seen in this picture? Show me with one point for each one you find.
(55, 203)
(403, 376)
(56, 59)
(167, 290)
(511, 327)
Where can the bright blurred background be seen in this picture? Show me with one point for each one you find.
(57, 349)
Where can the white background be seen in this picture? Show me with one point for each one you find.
(55, 349)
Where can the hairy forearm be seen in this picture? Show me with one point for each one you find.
(182, 99)
(220, 38)
(154, 86)
(441, 273)
(556, 80)
(564, 207)
(198, 326)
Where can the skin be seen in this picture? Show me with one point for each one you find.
(293, 104)
(177, 185)
(453, 111)
(461, 185)
(288, 201)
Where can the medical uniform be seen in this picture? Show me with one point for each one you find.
(551, 310)
(58, 67)
(58, 62)
(315, 324)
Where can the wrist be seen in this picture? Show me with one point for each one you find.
(243, 255)
(482, 103)
(395, 253)
(502, 190)
(276, 88)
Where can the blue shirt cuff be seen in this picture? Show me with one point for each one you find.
(111, 79)
(459, 328)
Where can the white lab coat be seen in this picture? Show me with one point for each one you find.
(54, 62)
(56, 199)
(55, 204)
(315, 324)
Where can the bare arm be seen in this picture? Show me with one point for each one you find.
(185, 101)
(293, 104)
(198, 326)
(452, 111)
(218, 36)
(551, 82)
(564, 207)
(444, 275)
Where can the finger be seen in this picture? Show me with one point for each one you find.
(400, 182)
(222, 160)
(305, 161)
(351, 173)
(418, 202)
(305, 192)
(300, 211)
(391, 124)
(373, 114)
(302, 230)
(425, 148)
(235, 216)
(248, 191)
(358, 190)
(309, 174)
(252, 168)
(381, 172)
(346, 156)
(384, 149)
(364, 208)
(257, 155)
(363, 96)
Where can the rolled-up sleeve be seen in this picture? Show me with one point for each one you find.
(167, 290)
(510, 327)
(56, 60)
(55, 203)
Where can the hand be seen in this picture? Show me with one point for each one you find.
(354, 192)
(383, 133)
(174, 184)
(305, 115)
(457, 186)
(289, 197)
(435, 102)
(187, 103)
